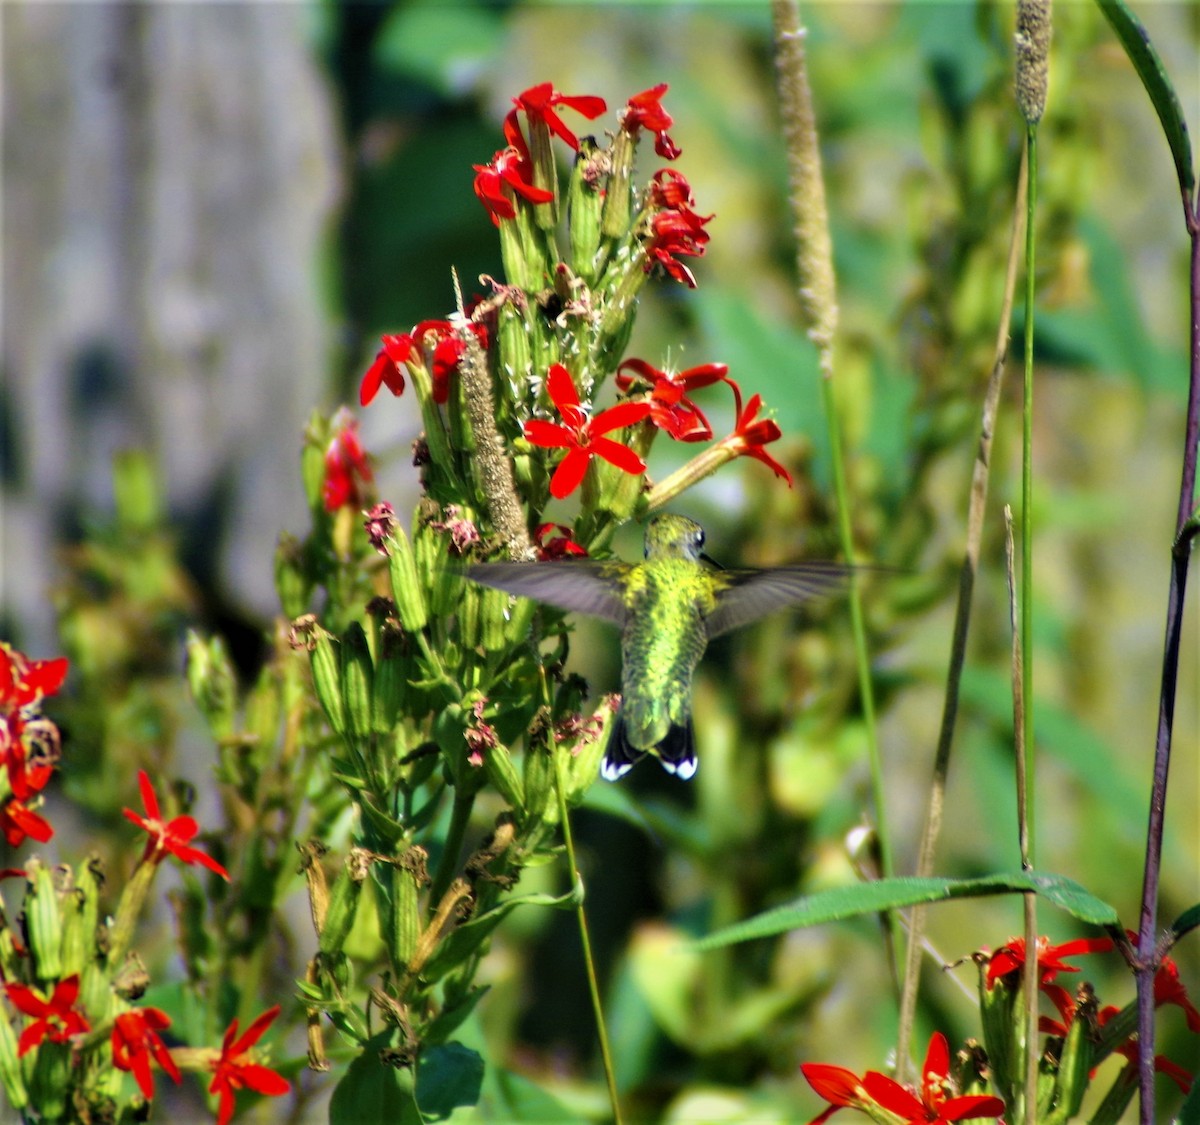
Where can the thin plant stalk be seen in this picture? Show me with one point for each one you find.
(1029, 976)
(1023, 720)
(1147, 960)
(585, 941)
(818, 297)
(977, 507)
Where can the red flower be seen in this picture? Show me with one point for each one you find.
(172, 838)
(55, 1019)
(561, 545)
(934, 1105)
(1168, 989)
(25, 781)
(645, 111)
(234, 1071)
(672, 233)
(751, 433)
(538, 104)
(841, 1088)
(347, 469)
(583, 437)
(675, 228)
(1010, 958)
(508, 167)
(24, 682)
(1067, 1009)
(837, 1085)
(448, 350)
(670, 408)
(135, 1040)
(387, 369)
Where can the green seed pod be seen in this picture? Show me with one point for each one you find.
(10, 1066)
(343, 902)
(358, 682)
(618, 199)
(212, 682)
(503, 775)
(515, 362)
(1003, 1034)
(43, 921)
(540, 800)
(326, 679)
(391, 677)
(312, 461)
(586, 198)
(1075, 1067)
(292, 581)
(584, 764)
(409, 875)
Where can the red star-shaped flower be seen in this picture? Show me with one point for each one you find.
(55, 1019)
(581, 436)
(751, 433)
(172, 838)
(556, 541)
(645, 111)
(670, 408)
(24, 682)
(1010, 959)
(387, 370)
(539, 104)
(934, 1105)
(135, 1042)
(508, 169)
(234, 1071)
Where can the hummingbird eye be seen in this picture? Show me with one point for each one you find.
(700, 538)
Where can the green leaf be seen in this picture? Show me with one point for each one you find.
(449, 1076)
(371, 1093)
(447, 45)
(1186, 921)
(887, 894)
(1154, 78)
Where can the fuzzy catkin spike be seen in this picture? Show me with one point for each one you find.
(814, 248)
(1033, 58)
(494, 467)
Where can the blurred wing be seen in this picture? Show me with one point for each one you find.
(593, 588)
(752, 594)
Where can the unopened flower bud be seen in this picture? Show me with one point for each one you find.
(358, 682)
(213, 682)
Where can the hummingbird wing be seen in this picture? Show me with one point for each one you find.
(751, 594)
(587, 587)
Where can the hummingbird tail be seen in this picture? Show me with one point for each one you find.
(677, 751)
(620, 756)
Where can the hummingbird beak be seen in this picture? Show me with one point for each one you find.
(711, 561)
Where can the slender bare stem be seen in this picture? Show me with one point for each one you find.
(962, 615)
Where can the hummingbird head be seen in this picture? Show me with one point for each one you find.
(673, 537)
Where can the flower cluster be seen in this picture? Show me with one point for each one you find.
(29, 742)
(67, 1023)
(1082, 1036)
(553, 333)
(933, 1101)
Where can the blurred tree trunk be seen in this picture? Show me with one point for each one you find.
(169, 171)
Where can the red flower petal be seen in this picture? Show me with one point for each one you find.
(569, 474)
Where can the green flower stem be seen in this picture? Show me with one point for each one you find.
(460, 817)
(610, 1074)
(129, 909)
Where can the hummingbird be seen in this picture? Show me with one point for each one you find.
(668, 608)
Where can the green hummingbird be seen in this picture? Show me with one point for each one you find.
(668, 608)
